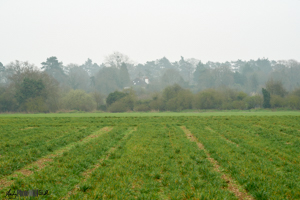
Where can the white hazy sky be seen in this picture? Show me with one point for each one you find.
(215, 30)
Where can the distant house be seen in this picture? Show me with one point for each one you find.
(140, 82)
(253, 94)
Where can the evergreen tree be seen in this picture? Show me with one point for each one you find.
(114, 96)
(107, 80)
(124, 79)
(51, 64)
(2, 68)
(90, 67)
(30, 89)
(253, 82)
(267, 98)
(239, 78)
(2, 73)
(55, 69)
(186, 69)
(200, 70)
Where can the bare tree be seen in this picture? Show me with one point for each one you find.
(116, 59)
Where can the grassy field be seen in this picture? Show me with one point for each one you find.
(153, 114)
(211, 155)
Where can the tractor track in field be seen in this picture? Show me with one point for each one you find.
(43, 162)
(232, 185)
(283, 155)
(87, 173)
(222, 136)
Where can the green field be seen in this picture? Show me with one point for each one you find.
(209, 155)
(162, 114)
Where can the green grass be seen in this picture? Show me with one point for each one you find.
(152, 114)
(152, 158)
(263, 163)
(21, 144)
(157, 163)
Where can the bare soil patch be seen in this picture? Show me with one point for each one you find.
(28, 128)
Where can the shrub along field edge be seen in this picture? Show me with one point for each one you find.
(152, 114)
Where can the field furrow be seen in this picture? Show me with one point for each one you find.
(87, 174)
(256, 174)
(39, 166)
(232, 185)
(132, 172)
(268, 139)
(20, 154)
(170, 157)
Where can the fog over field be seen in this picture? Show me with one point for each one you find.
(156, 99)
(215, 30)
(131, 55)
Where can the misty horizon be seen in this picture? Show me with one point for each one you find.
(131, 61)
(214, 31)
(142, 99)
(55, 50)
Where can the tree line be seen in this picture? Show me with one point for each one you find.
(119, 85)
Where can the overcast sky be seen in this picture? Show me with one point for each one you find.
(215, 30)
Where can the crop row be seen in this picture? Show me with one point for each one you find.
(158, 162)
(65, 171)
(19, 152)
(284, 145)
(259, 175)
